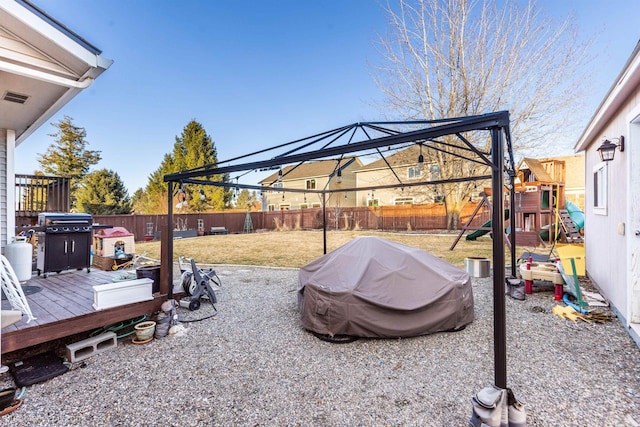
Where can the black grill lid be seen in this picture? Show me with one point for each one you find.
(60, 218)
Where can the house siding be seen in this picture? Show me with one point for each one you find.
(574, 179)
(368, 178)
(295, 199)
(606, 250)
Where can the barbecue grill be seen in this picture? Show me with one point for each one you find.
(64, 242)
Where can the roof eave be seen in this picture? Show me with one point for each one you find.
(626, 83)
(38, 21)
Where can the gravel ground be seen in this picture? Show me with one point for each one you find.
(253, 364)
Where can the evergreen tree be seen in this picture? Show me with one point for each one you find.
(103, 193)
(194, 148)
(139, 201)
(245, 200)
(68, 156)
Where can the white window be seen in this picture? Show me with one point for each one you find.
(311, 184)
(373, 202)
(403, 201)
(600, 189)
(277, 185)
(285, 206)
(303, 206)
(272, 208)
(316, 205)
(414, 172)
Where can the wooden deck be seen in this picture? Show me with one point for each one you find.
(63, 307)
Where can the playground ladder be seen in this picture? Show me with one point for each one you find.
(568, 229)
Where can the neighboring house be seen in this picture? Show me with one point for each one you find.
(612, 205)
(43, 66)
(404, 169)
(312, 176)
(570, 171)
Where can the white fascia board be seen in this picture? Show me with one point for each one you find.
(625, 85)
(54, 34)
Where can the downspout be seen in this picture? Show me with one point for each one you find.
(45, 77)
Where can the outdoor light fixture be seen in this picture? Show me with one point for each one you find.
(202, 196)
(608, 149)
(182, 200)
(339, 178)
(280, 174)
(420, 159)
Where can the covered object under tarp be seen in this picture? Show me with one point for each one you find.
(372, 287)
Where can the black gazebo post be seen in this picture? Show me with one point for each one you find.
(512, 219)
(324, 222)
(499, 312)
(168, 258)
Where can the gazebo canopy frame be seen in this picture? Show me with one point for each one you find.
(499, 160)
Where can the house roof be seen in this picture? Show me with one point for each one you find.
(43, 65)
(406, 157)
(308, 170)
(626, 83)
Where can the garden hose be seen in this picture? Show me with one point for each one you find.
(120, 326)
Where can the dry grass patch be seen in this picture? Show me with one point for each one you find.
(297, 248)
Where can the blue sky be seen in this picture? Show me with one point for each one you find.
(253, 73)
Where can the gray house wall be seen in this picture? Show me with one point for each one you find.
(606, 240)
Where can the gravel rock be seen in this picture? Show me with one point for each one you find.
(252, 364)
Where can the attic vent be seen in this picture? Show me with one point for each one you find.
(15, 97)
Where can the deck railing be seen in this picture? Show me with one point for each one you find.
(39, 193)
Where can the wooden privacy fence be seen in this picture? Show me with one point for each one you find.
(384, 218)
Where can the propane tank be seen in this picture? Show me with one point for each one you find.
(19, 253)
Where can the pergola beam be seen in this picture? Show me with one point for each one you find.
(483, 122)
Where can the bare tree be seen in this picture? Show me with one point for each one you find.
(453, 58)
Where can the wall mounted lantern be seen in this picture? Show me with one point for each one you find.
(608, 149)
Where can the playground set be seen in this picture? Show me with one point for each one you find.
(543, 217)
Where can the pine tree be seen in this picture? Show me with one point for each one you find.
(192, 149)
(68, 156)
(103, 193)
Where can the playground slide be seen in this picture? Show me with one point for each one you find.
(478, 233)
(576, 214)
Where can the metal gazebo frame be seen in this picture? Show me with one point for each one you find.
(499, 160)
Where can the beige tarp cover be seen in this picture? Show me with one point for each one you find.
(372, 287)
